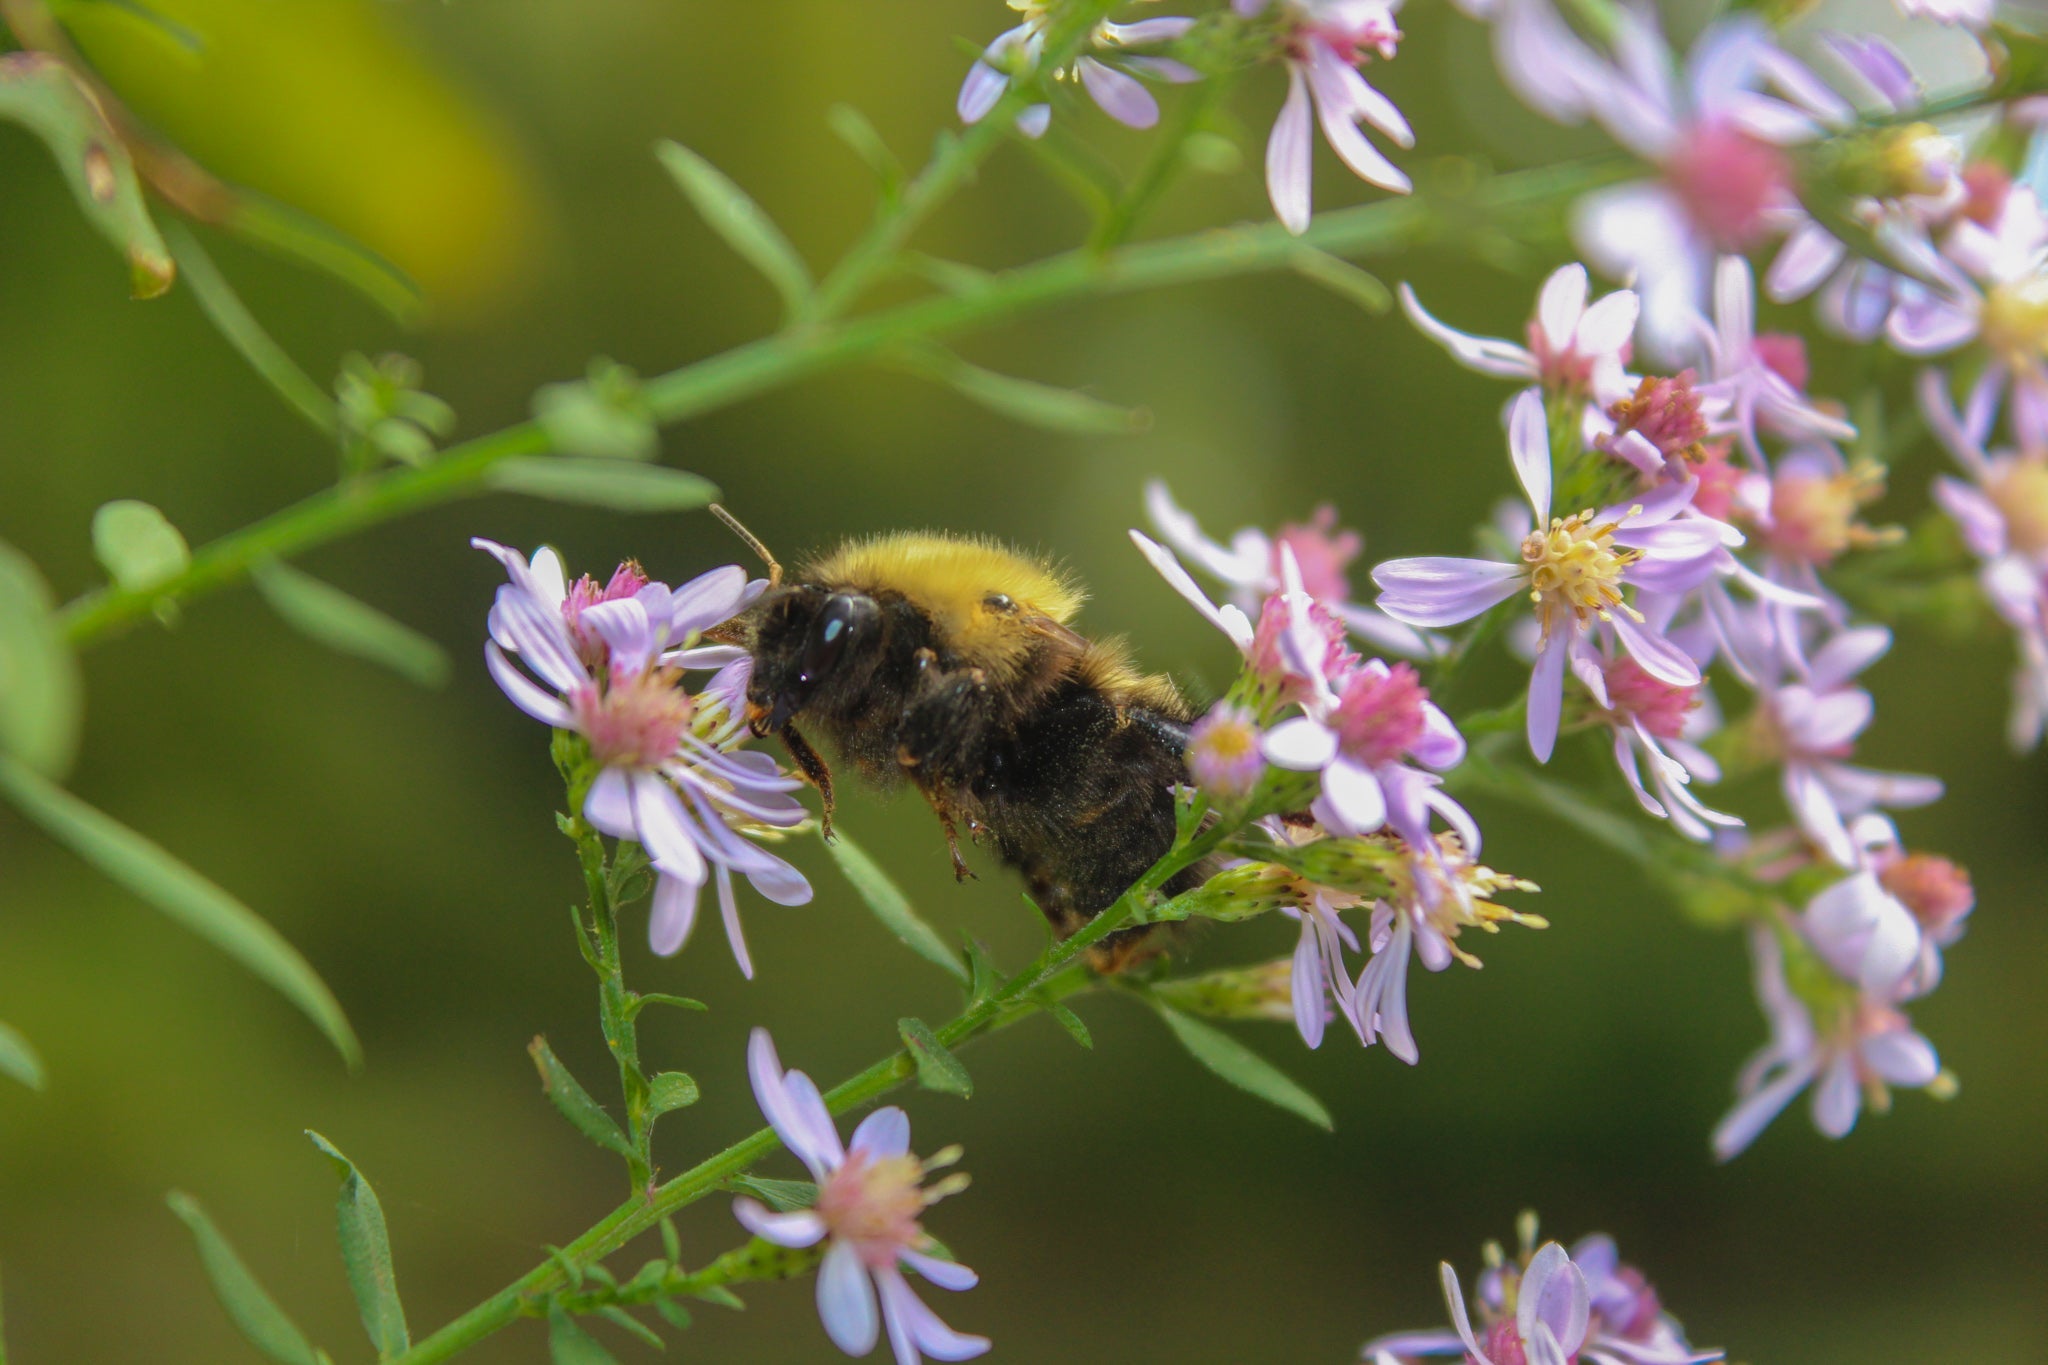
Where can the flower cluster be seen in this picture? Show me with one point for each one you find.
(606, 663)
(1549, 1306)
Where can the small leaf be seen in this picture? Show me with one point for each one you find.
(137, 545)
(1242, 1067)
(233, 320)
(673, 1313)
(18, 1059)
(641, 1002)
(253, 1310)
(853, 128)
(575, 1102)
(1025, 400)
(620, 1318)
(723, 1297)
(603, 415)
(40, 695)
(671, 1240)
(891, 906)
(784, 1196)
(620, 485)
(728, 211)
(331, 617)
(983, 978)
(1071, 1022)
(671, 1090)
(937, 1069)
(1342, 278)
(569, 1344)
(145, 869)
(307, 239)
(366, 1253)
(39, 92)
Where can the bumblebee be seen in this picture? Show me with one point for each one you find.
(949, 663)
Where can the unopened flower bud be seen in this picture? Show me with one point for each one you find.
(1937, 891)
(1265, 991)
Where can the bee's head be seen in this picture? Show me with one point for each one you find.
(805, 637)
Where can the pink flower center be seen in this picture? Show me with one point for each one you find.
(1564, 371)
(1272, 666)
(1355, 30)
(1322, 553)
(1380, 716)
(1503, 1344)
(1223, 753)
(1986, 184)
(1666, 413)
(1658, 706)
(636, 722)
(1784, 355)
(1937, 891)
(626, 580)
(2020, 490)
(1718, 479)
(874, 1204)
(1728, 182)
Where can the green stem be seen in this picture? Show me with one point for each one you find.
(763, 366)
(1162, 164)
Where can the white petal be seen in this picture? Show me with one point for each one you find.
(1227, 619)
(1287, 156)
(527, 695)
(1529, 448)
(673, 913)
(1354, 793)
(798, 1228)
(1300, 743)
(1561, 304)
(1488, 355)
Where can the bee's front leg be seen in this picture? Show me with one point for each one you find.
(941, 742)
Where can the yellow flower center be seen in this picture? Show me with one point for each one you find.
(2021, 492)
(1917, 159)
(1575, 567)
(2016, 320)
(1813, 517)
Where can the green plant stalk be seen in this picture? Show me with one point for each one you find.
(621, 1034)
(1047, 978)
(1163, 163)
(774, 362)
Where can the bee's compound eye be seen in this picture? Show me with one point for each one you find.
(1000, 602)
(829, 635)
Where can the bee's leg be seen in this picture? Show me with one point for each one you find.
(961, 871)
(812, 767)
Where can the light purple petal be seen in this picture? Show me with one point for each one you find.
(945, 1274)
(1902, 1057)
(1454, 1299)
(1608, 324)
(660, 824)
(913, 1327)
(793, 1110)
(609, 804)
(799, 1228)
(846, 1301)
(1335, 110)
(1300, 744)
(707, 600)
(1034, 119)
(1354, 794)
(1442, 591)
(1306, 985)
(1529, 448)
(1928, 325)
(884, 1133)
(1837, 1099)
(1546, 696)
(985, 83)
(1561, 304)
(735, 936)
(1227, 619)
(673, 913)
(1809, 255)
(623, 626)
(1734, 1134)
(1118, 95)
(1287, 156)
(1144, 31)
(526, 694)
(1501, 359)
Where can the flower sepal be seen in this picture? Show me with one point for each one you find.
(1262, 991)
(1368, 867)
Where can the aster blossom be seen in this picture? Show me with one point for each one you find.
(1105, 71)
(1758, 379)
(604, 663)
(1575, 570)
(1324, 43)
(1574, 349)
(870, 1197)
(1656, 725)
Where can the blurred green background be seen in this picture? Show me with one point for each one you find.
(1126, 1205)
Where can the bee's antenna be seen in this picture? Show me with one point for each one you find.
(753, 543)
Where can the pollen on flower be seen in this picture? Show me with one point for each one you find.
(1666, 413)
(1728, 182)
(2020, 490)
(1575, 569)
(1813, 517)
(874, 1203)
(1381, 716)
(1937, 891)
(2016, 319)
(1267, 661)
(1454, 893)
(638, 721)
(1658, 706)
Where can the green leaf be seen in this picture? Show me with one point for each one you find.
(620, 1318)
(673, 1313)
(366, 1253)
(1242, 1067)
(603, 415)
(305, 238)
(891, 906)
(669, 1091)
(233, 320)
(145, 869)
(620, 485)
(569, 1344)
(784, 1196)
(730, 213)
(137, 545)
(18, 1059)
(39, 92)
(983, 978)
(641, 1002)
(1342, 278)
(40, 695)
(852, 127)
(329, 616)
(253, 1310)
(575, 1102)
(937, 1069)
(1071, 1022)
(1025, 400)
(723, 1297)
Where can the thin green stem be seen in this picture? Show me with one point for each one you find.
(763, 366)
(1162, 164)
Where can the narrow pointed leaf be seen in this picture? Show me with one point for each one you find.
(641, 1002)
(569, 1344)
(983, 978)
(937, 1069)
(366, 1253)
(671, 1090)
(1242, 1067)
(40, 695)
(891, 906)
(620, 485)
(152, 874)
(331, 617)
(18, 1059)
(40, 93)
(137, 545)
(853, 128)
(254, 1312)
(233, 320)
(1071, 1022)
(620, 1318)
(729, 212)
(575, 1103)
(784, 1196)
(1342, 278)
(1025, 400)
(312, 242)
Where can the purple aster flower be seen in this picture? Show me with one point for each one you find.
(1550, 1307)
(1573, 350)
(2002, 513)
(1852, 1047)
(606, 666)
(1859, 928)
(1718, 141)
(1574, 569)
(1249, 566)
(1223, 754)
(1806, 514)
(1546, 64)
(1998, 298)
(1106, 77)
(870, 1197)
(1657, 725)
(1759, 380)
(1325, 42)
(1319, 971)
